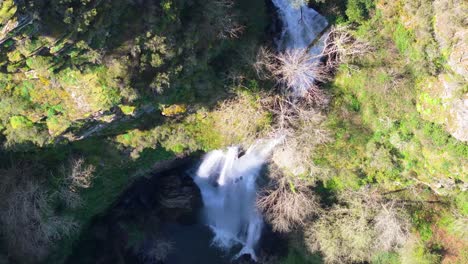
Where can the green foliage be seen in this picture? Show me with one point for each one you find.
(86, 59)
(127, 109)
(415, 252)
(57, 125)
(19, 122)
(395, 143)
(359, 10)
(77, 61)
(295, 257)
(386, 258)
(7, 10)
(389, 122)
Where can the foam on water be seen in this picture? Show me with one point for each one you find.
(228, 186)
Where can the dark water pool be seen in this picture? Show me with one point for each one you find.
(193, 245)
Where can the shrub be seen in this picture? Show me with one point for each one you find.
(359, 10)
(173, 110)
(358, 228)
(241, 120)
(296, 71)
(57, 125)
(287, 202)
(7, 10)
(303, 129)
(127, 109)
(29, 226)
(24, 134)
(19, 122)
(415, 252)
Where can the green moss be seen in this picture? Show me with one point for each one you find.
(7, 10)
(403, 38)
(57, 125)
(20, 122)
(386, 258)
(127, 109)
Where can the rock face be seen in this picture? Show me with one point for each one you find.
(441, 25)
(458, 124)
(442, 100)
(171, 194)
(178, 197)
(129, 232)
(452, 34)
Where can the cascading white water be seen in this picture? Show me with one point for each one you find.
(228, 187)
(301, 25)
(227, 181)
(302, 32)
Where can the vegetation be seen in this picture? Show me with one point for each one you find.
(374, 162)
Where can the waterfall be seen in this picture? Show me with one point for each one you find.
(301, 25)
(302, 32)
(228, 184)
(228, 179)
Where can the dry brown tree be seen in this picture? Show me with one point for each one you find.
(76, 175)
(227, 19)
(80, 175)
(342, 47)
(287, 202)
(28, 223)
(303, 128)
(298, 72)
(295, 71)
(391, 228)
(362, 224)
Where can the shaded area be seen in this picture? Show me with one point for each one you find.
(138, 215)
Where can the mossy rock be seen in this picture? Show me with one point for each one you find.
(19, 122)
(173, 110)
(127, 109)
(57, 125)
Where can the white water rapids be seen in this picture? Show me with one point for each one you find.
(227, 180)
(228, 187)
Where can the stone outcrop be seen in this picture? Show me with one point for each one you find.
(442, 100)
(442, 24)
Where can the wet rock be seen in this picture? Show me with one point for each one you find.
(168, 194)
(178, 197)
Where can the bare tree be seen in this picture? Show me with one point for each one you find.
(361, 224)
(341, 46)
(295, 71)
(304, 130)
(392, 230)
(298, 72)
(76, 176)
(28, 224)
(80, 175)
(227, 19)
(287, 202)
